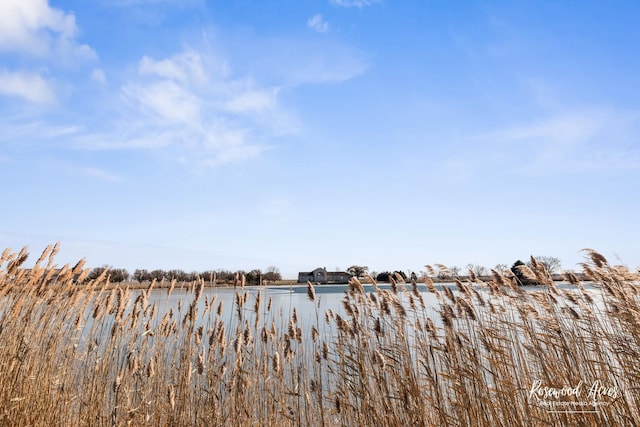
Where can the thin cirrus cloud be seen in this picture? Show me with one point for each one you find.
(193, 104)
(98, 75)
(354, 3)
(317, 23)
(190, 103)
(208, 117)
(28, 86)
(574, 140)
(311, 61)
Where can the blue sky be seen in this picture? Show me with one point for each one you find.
(201, 134)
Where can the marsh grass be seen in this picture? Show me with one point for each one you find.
(95, 354)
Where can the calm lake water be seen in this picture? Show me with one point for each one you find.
(283, 300)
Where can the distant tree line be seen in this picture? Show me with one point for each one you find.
(255, 276)
(551, 265)
(272, 273)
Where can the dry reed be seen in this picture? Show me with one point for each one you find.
(73, 354)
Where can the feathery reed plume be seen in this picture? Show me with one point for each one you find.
(393, 284)
(356, 285)
(7, 252)
(220, 308)
(430, 270)
(467, 308)
(172, 286)
(498, 277)
(199, 289)
(399, 307)
(597, 259)
(52, 255)
(311, 293)
(443, 270)
(14, 264)
(526, 272)
(256, 307)
(45, 254)
(449, 293)
(447, 315)
(371, 279)
(430, 286)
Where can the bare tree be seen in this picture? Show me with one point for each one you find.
(114, 274)
(455, 271)
(96, 272)
(141, 275)
(501, 268)
(550, 263)
(478, 270)
(273, 273)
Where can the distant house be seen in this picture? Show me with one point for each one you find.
(321, 275)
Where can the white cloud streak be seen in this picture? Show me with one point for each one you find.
(317, 23)
(207, 116)
(190, 104)
(184, 68)
(576, 140)
(34, 28)
(354, 3)
(97, 75)
(28, 86)
(253, 101)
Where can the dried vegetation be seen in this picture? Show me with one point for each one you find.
(89, 355)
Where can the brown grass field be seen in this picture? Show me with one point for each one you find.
(497, 355)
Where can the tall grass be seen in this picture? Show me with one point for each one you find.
(96, 355)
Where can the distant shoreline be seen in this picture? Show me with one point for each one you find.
(166, 284)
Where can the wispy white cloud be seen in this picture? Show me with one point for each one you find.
(185, 68)
(24, 129)
(125, 3)
(317, 23)
(43, 36)
(28, 86)
(305, 60)
(166, 101)
(35, 28)
(97, 75)
(316, 62)
(354, 3)
(566, 128)
(253, 101)
(190, 104)
(576, 140)
(203, 113)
